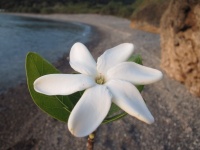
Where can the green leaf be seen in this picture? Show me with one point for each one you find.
(75, 97)
(58, 107)
(113, 109)
(136, 58)
(114, 118)
(114, 114)
(139, 87)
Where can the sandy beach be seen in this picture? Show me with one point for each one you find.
(23, 126)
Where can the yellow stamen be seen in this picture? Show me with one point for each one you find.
(100, 80)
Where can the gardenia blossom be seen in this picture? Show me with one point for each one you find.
(111, 79)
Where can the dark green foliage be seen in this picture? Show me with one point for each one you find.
(117, 8)
(122, 8)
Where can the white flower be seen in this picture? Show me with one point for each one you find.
(109, 80)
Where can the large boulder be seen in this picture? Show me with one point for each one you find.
(180, 42)
(148, 14)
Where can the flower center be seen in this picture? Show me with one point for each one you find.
(100, 79)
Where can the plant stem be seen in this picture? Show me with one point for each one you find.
(90, 141)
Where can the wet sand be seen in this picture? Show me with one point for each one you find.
(177, 126)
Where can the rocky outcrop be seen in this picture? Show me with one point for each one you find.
(180, 42)
(148, 15)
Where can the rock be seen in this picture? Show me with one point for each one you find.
(180, 43)
(148, 15)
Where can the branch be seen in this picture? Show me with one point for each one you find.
(90, 141)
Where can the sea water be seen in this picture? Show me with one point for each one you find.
(19, 35)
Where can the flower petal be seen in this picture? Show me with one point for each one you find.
(62, 84)
(90, 111)
(134, 73)
(114, 56)
(128, 98)
(81, 60)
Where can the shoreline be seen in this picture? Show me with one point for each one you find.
(24, 126)
(92, 42)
